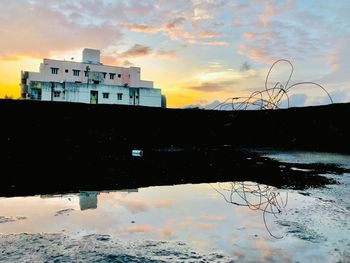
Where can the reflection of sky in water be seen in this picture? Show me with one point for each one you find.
(315, 225)
(312, 228)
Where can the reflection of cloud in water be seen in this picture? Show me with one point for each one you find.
(134, 205)
(138, 229)
(211, 217)
(270, 254)
(164, 203)
(173, 227)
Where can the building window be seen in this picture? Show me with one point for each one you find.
(56, 94)
(76, 72)
(54, 71)
(104, 74)
(119, 75)
(111, 75)
(120, 96)
(105, 95)
(66, 70)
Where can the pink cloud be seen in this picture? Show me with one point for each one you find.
(39, 29)
(256, 53)
(175, 23)
(209, 34)
(142, 28)
(271, 10)
(254, 35)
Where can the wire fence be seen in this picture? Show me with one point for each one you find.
(268, 98)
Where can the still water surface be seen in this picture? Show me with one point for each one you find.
(239, 221)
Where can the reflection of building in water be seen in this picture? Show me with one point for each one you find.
(88, 200)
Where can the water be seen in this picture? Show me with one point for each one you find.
(216, 222)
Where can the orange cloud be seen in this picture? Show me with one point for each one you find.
(136, 51)
(142, 28)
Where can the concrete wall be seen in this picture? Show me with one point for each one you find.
(77, 92)
(120, 75)
(150, 97)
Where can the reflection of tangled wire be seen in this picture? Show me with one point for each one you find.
(255, 196)
(269, 98)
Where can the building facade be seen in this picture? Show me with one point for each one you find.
(89, 81)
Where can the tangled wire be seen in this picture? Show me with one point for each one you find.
(269, 98)
(254, 196)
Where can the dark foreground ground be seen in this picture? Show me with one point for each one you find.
(60, 147)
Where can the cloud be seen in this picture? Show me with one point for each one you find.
(208, 87)
(295, 100)
(40, 28)
(208, 43)
(127, 63)
(142, 28)
(209, 34)
(339, 62)
(254, 35)
(136, 51)
(166, 54)
(175, 23)
(245, 66)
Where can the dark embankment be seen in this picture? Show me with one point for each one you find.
(49, 147)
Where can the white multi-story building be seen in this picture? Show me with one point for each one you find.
(89, 82)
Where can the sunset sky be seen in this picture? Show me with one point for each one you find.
(197, 52)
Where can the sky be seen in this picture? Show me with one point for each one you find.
(198, 52)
